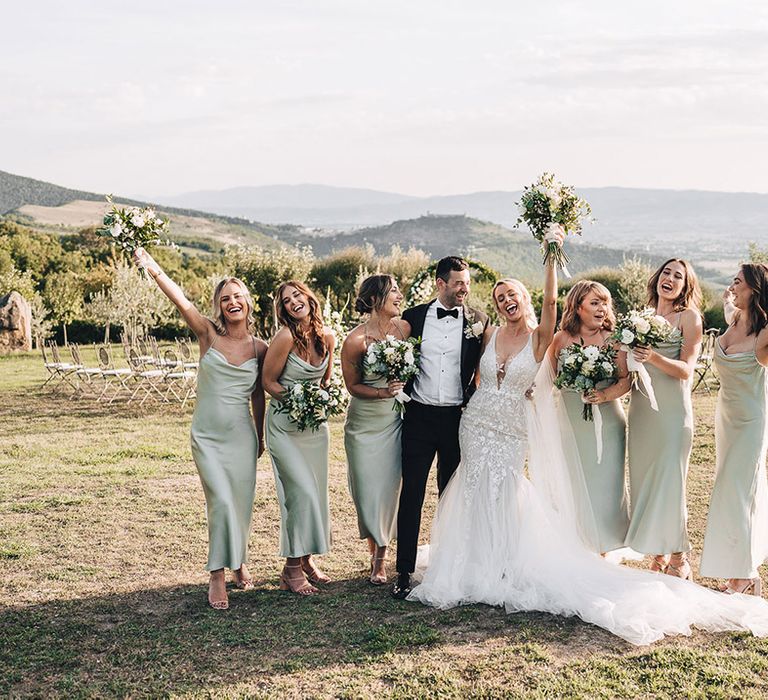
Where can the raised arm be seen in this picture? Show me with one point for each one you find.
(198, 323)
(545, 331)
(729, 309)
(274, 363)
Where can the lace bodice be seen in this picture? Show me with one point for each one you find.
(493, 430)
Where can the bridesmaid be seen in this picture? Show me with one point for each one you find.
(736, 538)
(226, 440)
(659, 442)
(301, 350)
(372, 429)
(588, 318)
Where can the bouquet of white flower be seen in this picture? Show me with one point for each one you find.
(309, 405)
(394, 359)
(582, 367)
(131, 227)
(548, 207)
(641, 329)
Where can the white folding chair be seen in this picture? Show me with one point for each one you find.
(180, 382)
(115, 378)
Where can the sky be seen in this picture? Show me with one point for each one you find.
(421, 97)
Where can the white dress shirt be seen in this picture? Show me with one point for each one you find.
(438, 382)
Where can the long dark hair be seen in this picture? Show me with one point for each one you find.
(756, 278)
(690, 297)
(303, 337)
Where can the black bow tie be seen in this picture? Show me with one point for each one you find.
(442, 313)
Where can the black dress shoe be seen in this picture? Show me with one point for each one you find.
(402, 586)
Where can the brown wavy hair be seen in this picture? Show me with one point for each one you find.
(570, 322)
(373, 293)
(303, 337)
(217, 317)
(690, 297)
(756, 278)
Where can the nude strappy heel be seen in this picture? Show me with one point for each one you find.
(296, 584)
(377, 579)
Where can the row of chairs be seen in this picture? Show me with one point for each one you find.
(150, 374)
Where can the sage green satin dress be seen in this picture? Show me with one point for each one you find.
(374, 469)
(225, 450)
(736, 538)
(605, 481)
(659, 448)
(300, 461)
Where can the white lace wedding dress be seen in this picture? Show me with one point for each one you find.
(501, 539)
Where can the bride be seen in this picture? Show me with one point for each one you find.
(502, 539)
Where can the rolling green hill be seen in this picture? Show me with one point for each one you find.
(511, 252)
(46, 207)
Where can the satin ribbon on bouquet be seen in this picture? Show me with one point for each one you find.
(597, 419)
(402, 397)
(554, 231)
(638, 368)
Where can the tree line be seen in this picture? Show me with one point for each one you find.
(82, 290)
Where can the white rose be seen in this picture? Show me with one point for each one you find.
(588, 367)
(296, 389)
(607, 367)
(591, 352)
(477, 328)
(388, 352)
(627, 336)
(138, 221)
(643, 326)
(324, 395)
(570, 360)
(391, 338)
(408, 357)
(116, 230)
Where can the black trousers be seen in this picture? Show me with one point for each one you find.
(427, 431)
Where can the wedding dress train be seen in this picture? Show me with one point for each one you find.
(502, 539)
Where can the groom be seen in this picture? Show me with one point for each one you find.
(451, 339)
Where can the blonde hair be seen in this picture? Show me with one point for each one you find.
(217, 316)
(528, 312)
(570, 323)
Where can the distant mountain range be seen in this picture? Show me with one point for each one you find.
(699, 224)
(710, 228)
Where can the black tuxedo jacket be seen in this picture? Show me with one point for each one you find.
(470, 346)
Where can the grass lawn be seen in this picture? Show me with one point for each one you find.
(102, 587)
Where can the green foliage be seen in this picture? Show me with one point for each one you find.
(757, 254)
(340, 271)
(13, 280)
(633, 282)
(63, 294)
(263, 271)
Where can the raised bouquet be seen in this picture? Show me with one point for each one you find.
(394, 359)
(549, 207)
(130, 228)
(582, 367)
(309, 405)
(641, 329)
